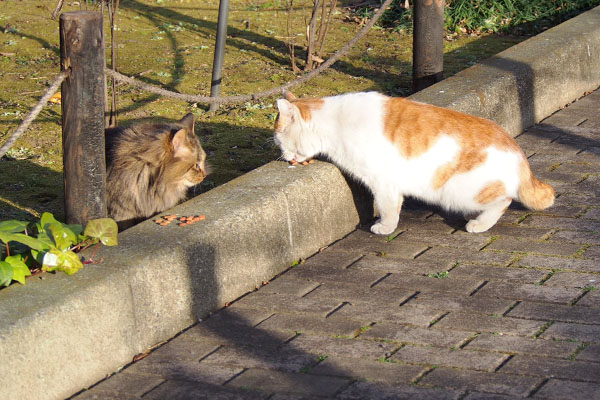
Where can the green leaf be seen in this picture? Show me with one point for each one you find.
(62, 236)
(13, 226)
(56, 260)
(20, 269)
(71, 264)
(6, 273)
(24, 239)
(45, 219)
(104, 229)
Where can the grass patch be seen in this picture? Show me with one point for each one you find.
(439, 275)
(477, 16)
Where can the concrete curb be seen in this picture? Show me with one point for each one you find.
(64, 333)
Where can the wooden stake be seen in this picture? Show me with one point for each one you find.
(84, 168)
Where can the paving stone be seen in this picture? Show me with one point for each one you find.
(184, 348)
(574, 279)
(378, 391)
(321, 274)
(527, 246)
(592, 252)
(490, 396)
(559, 175)
(498, 273)
(369, 370)
(269, 381)
(347, 292)
(450, 358)
(514, 291)
(576, 264)
(404, 249)
(184, 370)
(416, 335)
(228, 317)
(388, 264)
(517, 231)
(577, 199)
(584, 237)
(590, 353)
(572, 331)
(231, 331)
(562, 211)
(314, 325)
(592, 213)
(480, 305)
(360, 243)
(590, 299)
(556, 312)
(260, 357)
(482, 323)
(578, 167)
(552, 368)
(459, 238)
(290, 304)
(123, 385)
(457, 286)
(407, 314)
(522, 345)
(578, 224)
(185, 390)
(590, 185)
(332, 258)
(481, 381)
(294, 287)
(460, 256)
(340, 347)
(431, 224)
(556, 389)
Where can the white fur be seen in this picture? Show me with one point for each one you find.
(349, 130)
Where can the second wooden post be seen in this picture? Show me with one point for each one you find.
(428, 43)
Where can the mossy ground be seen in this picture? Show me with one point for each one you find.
(170, 43)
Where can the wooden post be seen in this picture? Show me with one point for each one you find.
(428, 43)
(84, 166)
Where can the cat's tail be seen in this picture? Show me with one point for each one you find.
(533, 193)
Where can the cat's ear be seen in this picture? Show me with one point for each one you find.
(188, 122)
(179, 143)
(289, 96)
(285, 108)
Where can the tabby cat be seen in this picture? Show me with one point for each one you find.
(150, 167)
(399, 147)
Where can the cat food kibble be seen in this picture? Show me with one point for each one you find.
(183, 220)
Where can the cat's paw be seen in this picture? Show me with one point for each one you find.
(475, 226)
(381, 229)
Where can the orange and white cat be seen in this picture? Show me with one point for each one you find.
(399, 147)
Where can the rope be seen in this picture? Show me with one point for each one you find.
(33, 113)
(251, 97)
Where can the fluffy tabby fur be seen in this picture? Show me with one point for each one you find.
(150, 167)
(399, 147)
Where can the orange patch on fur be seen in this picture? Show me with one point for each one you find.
(463, 163)
(415, 127)
(307, 106)
(491, 192)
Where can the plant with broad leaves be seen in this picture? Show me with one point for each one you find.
(50, 245)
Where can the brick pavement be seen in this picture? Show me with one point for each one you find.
(434, 313)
